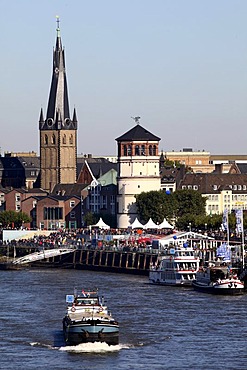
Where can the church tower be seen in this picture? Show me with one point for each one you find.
(58, 133)
(138, 170)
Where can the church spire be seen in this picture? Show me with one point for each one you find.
(58, 97)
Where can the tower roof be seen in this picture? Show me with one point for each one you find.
(138, 133)
(58, 115)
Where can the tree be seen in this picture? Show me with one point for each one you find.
(13, 219)
(189, 202)
(181, 203)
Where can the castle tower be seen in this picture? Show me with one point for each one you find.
(58, 133)
(138, 170)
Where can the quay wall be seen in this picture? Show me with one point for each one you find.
(111, 261)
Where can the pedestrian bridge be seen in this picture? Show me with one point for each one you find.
(46, 253)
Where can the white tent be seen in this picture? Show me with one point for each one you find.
(150, 225)
(136, 224)
(165, 225)
(101, 224)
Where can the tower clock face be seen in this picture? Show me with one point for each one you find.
(67, 122)
(49, 122)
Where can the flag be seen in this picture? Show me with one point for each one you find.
(239, 220)
(224, 252)
(225, 220)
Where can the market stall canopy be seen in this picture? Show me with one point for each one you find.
(101, 224)
(165, 225)
(136, 224)
(150, 225)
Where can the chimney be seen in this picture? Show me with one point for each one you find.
(218, 168)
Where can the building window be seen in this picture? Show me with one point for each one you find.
(17, 197)
(124, 150)
(129, 150)
(64, 139)
(143, 151)
(17, 207)
(53, 213)
(150, 150)
(137, 150)
(71, 139)
(72, 203)
(72, 214)
(154, 150)
(46, 140)
(53, 139)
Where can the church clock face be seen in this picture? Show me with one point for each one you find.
(49, 122)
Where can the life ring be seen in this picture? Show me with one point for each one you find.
(100, 309)
(73, 309)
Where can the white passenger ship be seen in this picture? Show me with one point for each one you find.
(177, 267)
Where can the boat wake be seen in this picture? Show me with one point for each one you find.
(96, 347)
(38, 344)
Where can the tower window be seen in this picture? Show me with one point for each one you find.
(150, 150)
(53, 139)
(129, 151)
(71, 139)
(137, 150)
(154, 150)
(143, 152)
(64, 139)
(46, 140)
(124, 150)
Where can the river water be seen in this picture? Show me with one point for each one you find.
(160, 327)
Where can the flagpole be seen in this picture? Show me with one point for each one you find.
(228, 234)
(242, 221)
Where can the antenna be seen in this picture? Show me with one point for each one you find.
(58, 23)
(136, 119)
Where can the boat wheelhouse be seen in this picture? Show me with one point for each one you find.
(178, 266)
(88, 320)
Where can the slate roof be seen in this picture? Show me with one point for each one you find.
(242, 167)
(208, 183)
(68, 189)
(98, 166)
(138, 133)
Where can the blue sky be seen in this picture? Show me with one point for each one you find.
(181, 65)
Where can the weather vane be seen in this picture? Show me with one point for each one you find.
(136, 119)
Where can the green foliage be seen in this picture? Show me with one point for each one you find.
(184, 204)
(189, 202)
(90, 219)
(154, 204)
(13, 219)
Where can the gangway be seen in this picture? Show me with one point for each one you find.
(45, 253)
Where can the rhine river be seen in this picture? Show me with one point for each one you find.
(160, 327)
